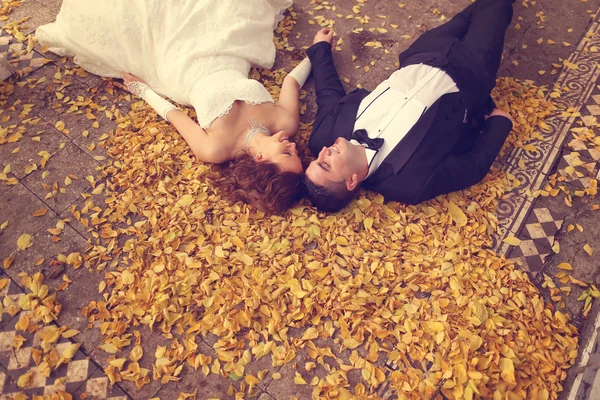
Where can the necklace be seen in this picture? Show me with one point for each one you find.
(255, 127)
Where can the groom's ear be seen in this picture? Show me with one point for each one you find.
(352, 182)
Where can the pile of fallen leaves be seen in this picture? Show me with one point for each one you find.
(415, 286)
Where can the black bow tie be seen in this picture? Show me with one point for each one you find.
(362, 137)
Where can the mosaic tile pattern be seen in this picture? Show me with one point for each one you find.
(9, 297)
(538, 164)
(21, 61)
(575, 162)
(80, 374)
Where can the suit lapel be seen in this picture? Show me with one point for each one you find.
(338, 123)
(407, 146)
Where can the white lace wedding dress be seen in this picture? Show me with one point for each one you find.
(196, 52)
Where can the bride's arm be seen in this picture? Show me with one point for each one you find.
(290, 102)
(203, 146)
(289, 98)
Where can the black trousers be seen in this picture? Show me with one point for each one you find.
(472, 42)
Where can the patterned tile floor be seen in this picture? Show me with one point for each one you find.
(535, 221)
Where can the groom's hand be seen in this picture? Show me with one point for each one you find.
(324, 35)
(498, 112)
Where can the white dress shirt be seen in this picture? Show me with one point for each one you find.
(391, 110)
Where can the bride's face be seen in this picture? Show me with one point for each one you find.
(280, 150)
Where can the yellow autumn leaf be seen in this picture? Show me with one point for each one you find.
(185, 200)
(457, 214)
(296, 289)
(69, 333)
(507, 371)
(136, 353)
(565, 266)
(25, 379)
(299, 380)
(351, 343)
(246, 259)
(49, 334)
(127, 277)
(18, 341)
(23, 323)
(24, 241)
(108, 347)
(588, 249)
(70, 351)
(40, 213)
(251, 380)
(511, 240)
(118, 363)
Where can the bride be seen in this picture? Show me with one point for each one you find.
(199, 53)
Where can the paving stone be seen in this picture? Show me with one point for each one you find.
(5, 382)
(46, 248)
(78, 295)
(265, 396)
(284, 388)
(92, 142)
(39, 15)
(531, 254)
(98, 387)
(525, 15)
(546, 219)
(82, 212)
(6, 69)
(263, 364)
(67, 377)
(150, 341)
(207, 387)
(52, 5)
(377, 74)
(572, 251)
(343, 8)
(10, 294)
(72, 113)
(541, 56)
(47, 138)
(71, 162)
(409, 16)
(17, 206)
(37, 89)
(9, 183)
(577, 170)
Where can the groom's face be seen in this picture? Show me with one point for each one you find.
(334, 164)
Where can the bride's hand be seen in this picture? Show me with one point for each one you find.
(127, 78)
(134, 84)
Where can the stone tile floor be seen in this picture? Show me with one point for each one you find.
(73, 155)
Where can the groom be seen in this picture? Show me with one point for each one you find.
(431, 128)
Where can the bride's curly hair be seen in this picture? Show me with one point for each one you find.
(261, 184)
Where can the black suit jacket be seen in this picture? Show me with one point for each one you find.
(443, 152)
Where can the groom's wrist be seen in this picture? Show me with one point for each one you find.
(319, 48)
